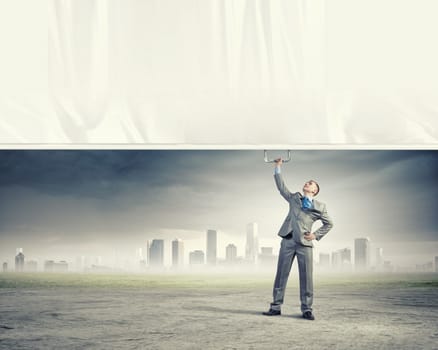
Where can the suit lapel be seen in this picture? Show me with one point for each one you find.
(298, 199)
(316, 206)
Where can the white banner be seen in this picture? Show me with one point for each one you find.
(219, 72)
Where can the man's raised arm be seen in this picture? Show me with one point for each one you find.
(279, 180)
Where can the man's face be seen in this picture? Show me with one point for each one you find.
(310, 187)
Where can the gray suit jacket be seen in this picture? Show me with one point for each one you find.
(299, 221)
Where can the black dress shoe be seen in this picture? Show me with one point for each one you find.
(308, 315)
(272, 312)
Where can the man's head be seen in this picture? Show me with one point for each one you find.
(311, 188)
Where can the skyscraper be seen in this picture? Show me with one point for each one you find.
(324, 260)
(379, 258)
(61, 266)
(148, 252)
(211, 247)
(80, 263)
(436, 264)
(266, 256)
(52, 266)
(336, 260)
(196, 257)
(230, 253)
(139, 254)
(177, 252)
(31, 266)
(345, 256)
(341, 259)
(252, 245)
(49, 266)
(19, 260)
(362, 254)
(156, 253)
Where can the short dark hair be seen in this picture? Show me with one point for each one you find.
(317, 186)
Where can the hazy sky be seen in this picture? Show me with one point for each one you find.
(57, 203)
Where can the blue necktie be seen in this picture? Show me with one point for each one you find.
(306, 203)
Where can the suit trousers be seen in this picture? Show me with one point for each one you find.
(288, 250)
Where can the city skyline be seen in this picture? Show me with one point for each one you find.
(163, 255)
(267, 262)
(93, 201)
(362, 260)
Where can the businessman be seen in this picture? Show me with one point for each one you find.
(297, 237)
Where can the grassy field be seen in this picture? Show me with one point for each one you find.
(47, 280)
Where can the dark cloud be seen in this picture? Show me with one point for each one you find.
(77, 194)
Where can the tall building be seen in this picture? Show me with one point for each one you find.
(211, 247)
(436, 264)
(345, 256)
(52, 266)
(5, 267)
(139, 254)
(61, 266)
(362, 254)
(148, 252)
(48, 266)
(19, 260)
(324, 260)
(336, 259)
(177, 252)
(230, 253)
(266, 257)
(80, 263)
(196, 257)
(341, 259)
(156, 253)
(252, 244)
(31, 266)
(379, 258)
(140, 261)
(144, 262)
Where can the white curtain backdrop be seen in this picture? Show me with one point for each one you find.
(219, 71)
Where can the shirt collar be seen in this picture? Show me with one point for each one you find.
(303, 196)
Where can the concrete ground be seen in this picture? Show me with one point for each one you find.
(210, 314)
